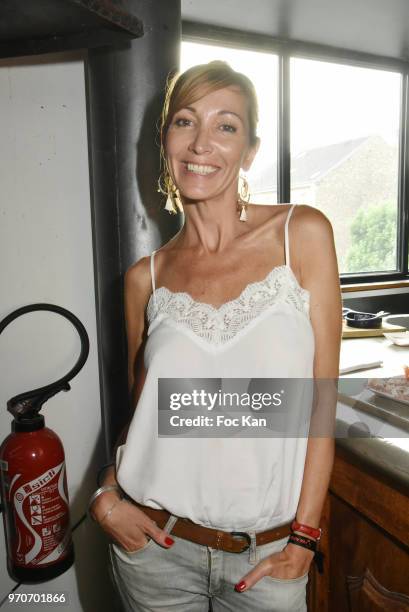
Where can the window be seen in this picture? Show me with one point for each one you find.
(340, 144)
(345, 157)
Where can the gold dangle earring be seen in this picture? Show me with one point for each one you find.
(173, 201)
(243, 197)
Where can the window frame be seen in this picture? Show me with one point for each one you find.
(287, 49)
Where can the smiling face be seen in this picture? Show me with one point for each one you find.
(207, 143)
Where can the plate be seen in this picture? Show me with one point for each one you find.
(389, 396)
(395, 388)
(399, 338)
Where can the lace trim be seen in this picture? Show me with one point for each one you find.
(220, 324)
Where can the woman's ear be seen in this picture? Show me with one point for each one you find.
(251, 153)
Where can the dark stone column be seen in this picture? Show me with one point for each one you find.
(125, 87)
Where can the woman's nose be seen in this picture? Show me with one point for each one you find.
(200, 142)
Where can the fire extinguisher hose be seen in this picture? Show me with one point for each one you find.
(30, 402)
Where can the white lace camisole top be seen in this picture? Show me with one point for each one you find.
(233, 484)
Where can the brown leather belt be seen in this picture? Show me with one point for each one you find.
(234, 542)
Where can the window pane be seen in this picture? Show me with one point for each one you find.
(344, 157)
(261, 68)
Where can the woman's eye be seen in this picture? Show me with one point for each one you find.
(182, 122)
(226, 127)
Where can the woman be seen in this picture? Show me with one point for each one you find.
(239, 292)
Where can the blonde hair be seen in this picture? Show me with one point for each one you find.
(184, 89)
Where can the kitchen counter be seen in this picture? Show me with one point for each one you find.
(381, 416)
(373, 428)
(384, 457)
(365, 525)
(365, 519)
(371, 349)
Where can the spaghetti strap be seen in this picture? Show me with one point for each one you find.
(153, 278)
(286, 238)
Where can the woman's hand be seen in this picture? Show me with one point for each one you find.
(291, 562)
(126, 524)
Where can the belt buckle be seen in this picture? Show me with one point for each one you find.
(242, 534)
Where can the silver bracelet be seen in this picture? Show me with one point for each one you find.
(99, 492)
(108, 512)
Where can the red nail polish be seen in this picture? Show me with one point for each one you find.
(169, 541)
(240, 586)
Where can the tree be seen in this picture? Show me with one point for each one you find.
(373, 239)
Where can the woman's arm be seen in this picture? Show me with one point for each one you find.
(126, 524)
(312, 234)
(136, 294)
(320, 276)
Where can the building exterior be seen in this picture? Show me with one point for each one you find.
(339, 179)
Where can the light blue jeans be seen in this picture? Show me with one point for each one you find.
(187, 576)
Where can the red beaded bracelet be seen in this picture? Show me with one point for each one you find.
(311, 531)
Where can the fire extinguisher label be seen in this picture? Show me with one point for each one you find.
(41, 507)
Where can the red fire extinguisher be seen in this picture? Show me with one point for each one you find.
(33, 477)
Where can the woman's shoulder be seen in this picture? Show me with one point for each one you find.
(138, 276)
(271, 210)
(310, 213)
(303, 215)
(265, 215)
(310, 221)
(310, 229)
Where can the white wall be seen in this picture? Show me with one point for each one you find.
(46, 256)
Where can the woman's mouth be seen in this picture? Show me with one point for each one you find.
(201, 169)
